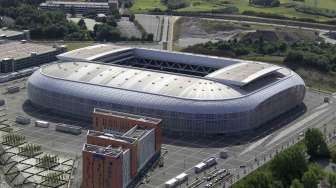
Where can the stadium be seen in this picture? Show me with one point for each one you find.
(190, 93)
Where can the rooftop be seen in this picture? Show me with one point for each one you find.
(127, 115)
(20, 50)
(91, 52)
(106, 151)
(129, 137)
(156, 82)
(9, 33)
(243, 73)
(135, 132)
(142, 80)
(99, 51)
(74, 3)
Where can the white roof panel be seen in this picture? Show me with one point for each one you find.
(243, 73)
(142, 80)
(91, 52)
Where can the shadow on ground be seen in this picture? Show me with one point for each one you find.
(179, 139)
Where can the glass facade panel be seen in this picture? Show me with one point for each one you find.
(225, 121)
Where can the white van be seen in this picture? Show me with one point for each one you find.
(42, 124)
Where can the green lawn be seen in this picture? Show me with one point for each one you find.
(265, 58)
(208, 5)
(146, 5)
(76, 45)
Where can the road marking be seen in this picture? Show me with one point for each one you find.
(297, 125)
(322, 106)
(254, 145)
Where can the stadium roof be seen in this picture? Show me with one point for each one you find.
(20, 50)
(243, 73)
(142, 80)
(101, 51)
(91, 52)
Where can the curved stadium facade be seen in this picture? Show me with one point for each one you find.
(190, 93)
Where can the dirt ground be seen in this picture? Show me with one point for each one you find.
(191, 31)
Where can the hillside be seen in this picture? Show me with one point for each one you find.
(287, 7)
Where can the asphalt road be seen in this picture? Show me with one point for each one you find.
(184, 152)
(246, 152)
(152, 24)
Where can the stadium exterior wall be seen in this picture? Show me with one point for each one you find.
(179, 115)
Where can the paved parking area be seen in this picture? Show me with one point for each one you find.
(183, 152)
(152, 24)
(50, 140)
(128, 29)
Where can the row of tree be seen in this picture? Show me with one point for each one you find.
(320, 56)
(235, 48)
(13, 3)
(294, 167)
(265, 3)
(54, 24)
(44, 24)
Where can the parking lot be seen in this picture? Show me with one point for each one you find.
(181, 153)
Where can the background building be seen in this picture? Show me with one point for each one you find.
(17, 55)
(191, 93)
(7, 34)
(81, 7)
(135, 146)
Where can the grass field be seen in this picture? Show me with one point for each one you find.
(208, 5)
(76, 45)
(146, 5)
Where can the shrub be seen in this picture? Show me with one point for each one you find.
(265, 3)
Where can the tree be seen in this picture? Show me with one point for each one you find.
(333, 155)
(41, 23)
(296, 184)
(115, 13)
(283, 47)
(261, 44)
(332, 180)
(315, 144)
(104, 32)
(312, 177)
(111, 21)
(150, 37)
(131, 17)
(309, 180)
(81, 24)
(289, 165)
(277, 184)
(258, 180)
